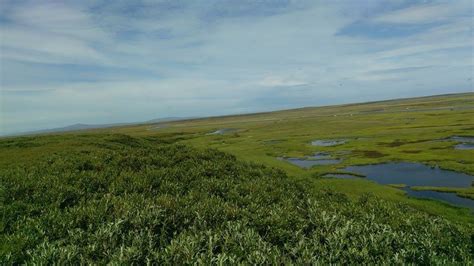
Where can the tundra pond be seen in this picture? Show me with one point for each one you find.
(417, 174)
(328, 142)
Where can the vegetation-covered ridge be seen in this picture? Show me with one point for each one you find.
(116, 198)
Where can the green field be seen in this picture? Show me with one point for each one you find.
(172, 193)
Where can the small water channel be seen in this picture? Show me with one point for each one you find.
(462, 139)
(444, 196)
(416, 174)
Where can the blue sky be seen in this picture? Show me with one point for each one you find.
(66, 62)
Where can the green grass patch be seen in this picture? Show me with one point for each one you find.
(344, 173)
(397, 185)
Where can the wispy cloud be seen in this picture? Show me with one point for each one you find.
(427, 13)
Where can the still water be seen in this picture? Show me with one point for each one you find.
(415, 174)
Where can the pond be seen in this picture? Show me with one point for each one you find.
(444, 196)
(464, 146)
(223, 131)
(328, 142)
(464, 143)
(412, 174)
(303, 163)
(416, 174)
(310, 161)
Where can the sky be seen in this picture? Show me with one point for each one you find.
(96, 62)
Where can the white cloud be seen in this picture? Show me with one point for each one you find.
(275, 81)
(426, 13)
(58, 18)
(51, 33)
(25, 44)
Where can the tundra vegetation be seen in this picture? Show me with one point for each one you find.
(181, 196)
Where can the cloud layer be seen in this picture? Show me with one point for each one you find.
(64, 62)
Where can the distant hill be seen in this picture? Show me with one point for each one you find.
(74, 127)
(80, 126)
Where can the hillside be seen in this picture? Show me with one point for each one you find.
(109, 198)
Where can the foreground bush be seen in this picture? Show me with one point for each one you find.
(128, 200)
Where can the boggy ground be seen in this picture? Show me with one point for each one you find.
(412, 130)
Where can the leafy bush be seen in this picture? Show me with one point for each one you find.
(127, 200)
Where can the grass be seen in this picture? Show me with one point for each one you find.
(345, 173)
(398, 185)
(111, 198)
(178, 195)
